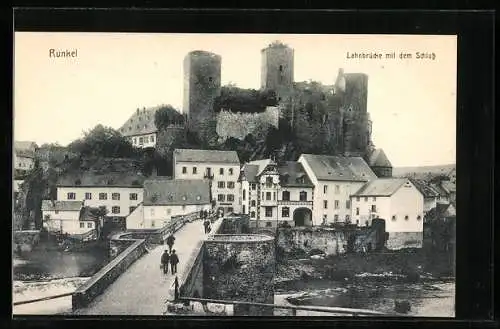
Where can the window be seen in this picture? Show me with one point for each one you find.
(115, 196)
(274, 196)
(141, 140)
(244, 195)
(184, 170)
(281, 68)
(82, 225)
(184, 198)
(269, 182)
(115, 210)
(419, 217)
(286, 196)
(374, 208)
(325, 204)
(348, 204)
(209, 172)
(303, 196)
(252, 203)
(366, 199)
(406, 217)
(88, 196)
(337, 205)
(357, 198)
(133, 196)
(152, 139)
(253, 186)
(374, 199)
(347, 218)
(335, 218)
(198, 197)
(131, 209)
(243, 209)
(89, 225)
(56, 211)
(71, 196)
(135, 139)
(285, 212)
(152, 223)
(337, 189)
(103, 196)
(268, 195)
(269, 224)
(221, 171)
(325, 188)
(221, 184)
(357, 211)
(230, 171)
(366, 223)
(230, 197)
(230, 184)
(269, 211)
(252, 214)
(194, 170)
(230, 209)
(220, 197)
(394, 217)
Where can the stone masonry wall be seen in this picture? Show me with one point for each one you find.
(328, 240)
(400, 240)
(239, 125)
(241, 271)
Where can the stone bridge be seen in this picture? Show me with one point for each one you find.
(224, 264)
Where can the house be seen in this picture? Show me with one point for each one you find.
(335, 179)
(220, 168)
(450, 190)
(164, 198)
(24, 157)
(380, 164)
(399, 202)
(66, 217)
(140, 128)
(274, 194)
(430, 193)
(120, 193)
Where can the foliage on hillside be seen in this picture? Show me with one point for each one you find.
(167, 115)
(237, 99)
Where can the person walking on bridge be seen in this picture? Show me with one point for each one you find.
(165, 257)
(206, 224)
(174, 260)
(170, 242)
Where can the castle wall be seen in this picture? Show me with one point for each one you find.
(239, 125)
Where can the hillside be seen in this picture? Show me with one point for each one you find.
(422, 171)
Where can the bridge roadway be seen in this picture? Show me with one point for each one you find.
(143, 288)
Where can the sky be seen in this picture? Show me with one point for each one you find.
(412, 102)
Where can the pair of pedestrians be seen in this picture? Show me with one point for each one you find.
(171, 259)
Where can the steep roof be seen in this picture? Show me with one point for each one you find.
(49, 205)
(250, 172)
(176, 192)
(90, 179)
(425, 188)
(142, 122)
(211, 156)
(442, 210)
(438, 187)
(379, 159)
(293, 174)
(449, 186)
(338, 168)
(261, 164)
(381, 187)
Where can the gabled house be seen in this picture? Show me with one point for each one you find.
(428, 191)
(140, 128)
(335, 179)
(24, 157)
(67, 217)
(164, 198)
(275, 194)
(399, 202)
(219, 168)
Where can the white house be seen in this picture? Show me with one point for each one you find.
(164, 198)
(396, 200)
(335, 179)
(120, 193)
(66, 217)
(273, 194)
(24, 156)
(220, 168)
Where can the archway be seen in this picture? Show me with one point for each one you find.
(302, 217)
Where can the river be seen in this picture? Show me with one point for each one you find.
(427, 299)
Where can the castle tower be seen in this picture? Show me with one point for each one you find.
(202, 84)
(277, 68)
(356, 126)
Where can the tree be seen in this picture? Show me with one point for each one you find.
(103, 142)
(166, 116)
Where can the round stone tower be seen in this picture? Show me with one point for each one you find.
(202, 84)
(277, 68)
